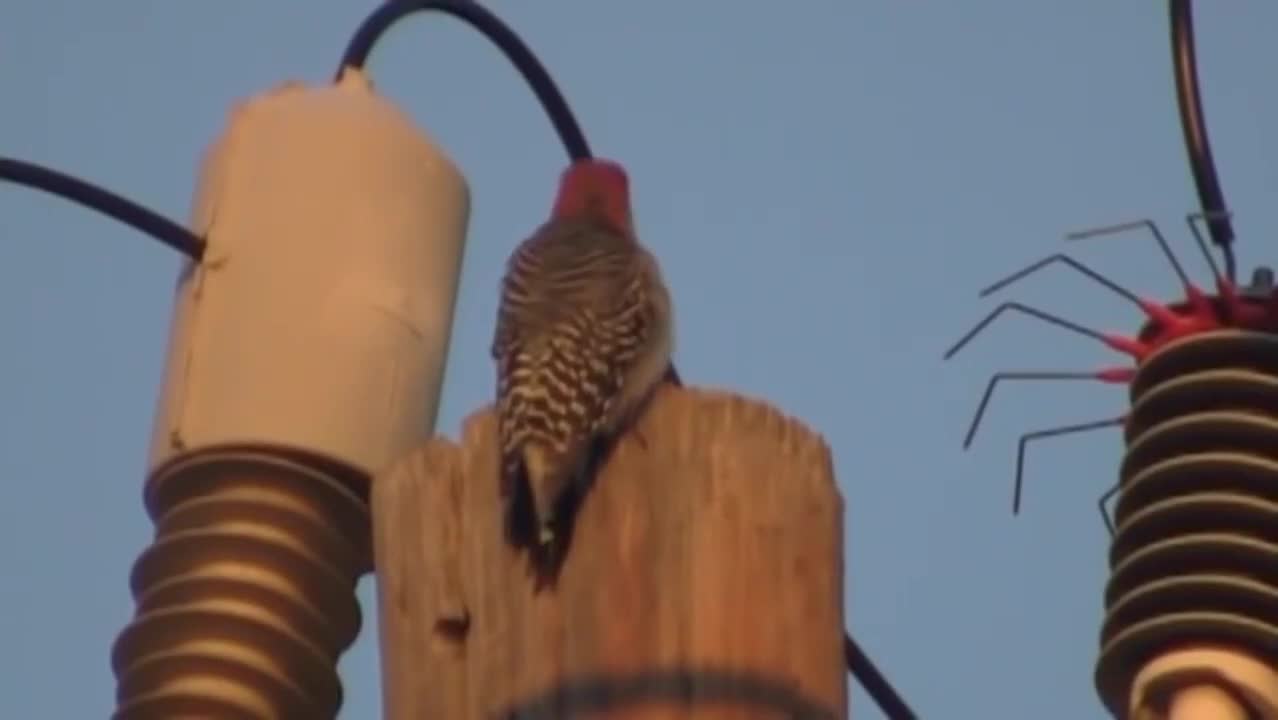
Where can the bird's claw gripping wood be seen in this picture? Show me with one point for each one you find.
(583, 338)
(640, 438)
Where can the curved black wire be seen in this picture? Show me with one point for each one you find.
(543, 86)
(1195, 128)
(104, 201)
(376, 24)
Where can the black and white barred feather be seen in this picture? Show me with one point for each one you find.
(583, 336)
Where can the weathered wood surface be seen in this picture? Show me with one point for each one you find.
(705, 578)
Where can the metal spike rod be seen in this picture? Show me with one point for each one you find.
(1024, 310)
(1118, 374)
(1136, 225)
(1104, 510)
(1036, 435)
(1072, 263)
(1192, 220)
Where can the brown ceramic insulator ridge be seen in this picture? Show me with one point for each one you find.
(1194, 559)
(246, 596)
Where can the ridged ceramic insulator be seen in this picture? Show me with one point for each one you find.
(1194, 559)
(246, 597)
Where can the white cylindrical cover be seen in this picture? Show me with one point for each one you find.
(320, 316)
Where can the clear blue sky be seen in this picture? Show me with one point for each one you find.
(827, 189)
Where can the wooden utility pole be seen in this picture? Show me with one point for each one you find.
(704, 579)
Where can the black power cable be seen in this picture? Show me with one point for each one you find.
(875, 684)
(508, 41)
(492, 27)
(104, 201)
(1193, 124)
(178, 237)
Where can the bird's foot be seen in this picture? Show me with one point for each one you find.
(640, 438)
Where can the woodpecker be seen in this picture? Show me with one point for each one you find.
(583, 337)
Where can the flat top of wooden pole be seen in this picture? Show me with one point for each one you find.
(704, 579)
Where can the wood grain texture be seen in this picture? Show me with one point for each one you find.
(705, 577)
